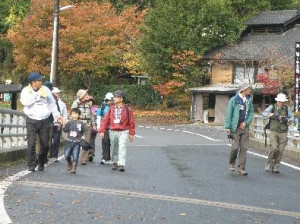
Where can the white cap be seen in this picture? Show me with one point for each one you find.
(281, 97)
(109, 96)
(55, 90)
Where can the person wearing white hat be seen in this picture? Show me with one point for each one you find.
(109, 97)
(239, 115)
(83, 104)
(280, 116)
(56, 130)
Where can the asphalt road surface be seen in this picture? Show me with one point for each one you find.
(174, 175)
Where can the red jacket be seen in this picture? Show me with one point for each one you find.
(108, 121)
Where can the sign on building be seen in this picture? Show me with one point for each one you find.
(297, 77)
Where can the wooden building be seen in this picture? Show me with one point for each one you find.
(267, 34)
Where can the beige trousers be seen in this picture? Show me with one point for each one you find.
(278, 142)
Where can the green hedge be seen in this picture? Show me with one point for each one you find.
(139, 95)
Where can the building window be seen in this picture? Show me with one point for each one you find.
(244, 74)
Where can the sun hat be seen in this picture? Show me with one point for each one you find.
(34, 76)
(281, 97)
(81, 93)
(55, 90)
(244, 87)
(109, 96)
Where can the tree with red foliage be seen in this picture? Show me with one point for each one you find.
(93, 37)
(270, 85)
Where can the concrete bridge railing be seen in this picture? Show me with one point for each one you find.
(257, 131)
(12, 131)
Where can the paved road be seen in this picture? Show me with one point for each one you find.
(173, 175)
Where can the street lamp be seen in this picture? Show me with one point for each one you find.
(54, 55)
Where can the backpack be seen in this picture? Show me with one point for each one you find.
(103, 105)
(267, 126)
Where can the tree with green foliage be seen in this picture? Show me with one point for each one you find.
(245, 8)
(284, 4)
(176, 26)
(11, 12)
(122, 4)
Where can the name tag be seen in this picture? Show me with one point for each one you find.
(117, 121)
(73, 134)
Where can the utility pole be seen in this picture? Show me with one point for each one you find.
(54, 58)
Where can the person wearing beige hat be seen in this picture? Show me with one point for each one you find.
(239, 115)
(83, 104)
(280, 116)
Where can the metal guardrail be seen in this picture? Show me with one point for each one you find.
(257, 131)
(12, 130)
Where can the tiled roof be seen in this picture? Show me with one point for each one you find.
(274, 17)
(258, 47)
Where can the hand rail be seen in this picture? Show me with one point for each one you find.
(257, 131)
(12, 130)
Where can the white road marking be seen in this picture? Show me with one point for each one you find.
(283, 163)
(4, 218)
(265, 157)
(203, 136)
(178, 145)
(4, 184)
(175, 199)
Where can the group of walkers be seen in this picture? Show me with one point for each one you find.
(239, 116)
(47, 116)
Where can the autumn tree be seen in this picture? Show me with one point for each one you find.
(93, 39)
(123, 4)
(279, 74)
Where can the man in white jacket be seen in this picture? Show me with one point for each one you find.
(38, 104)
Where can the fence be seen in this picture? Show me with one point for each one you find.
(258, 132)
(12, 130)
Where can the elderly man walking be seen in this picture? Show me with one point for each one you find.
(239, 116)
(119, 121)
(38, 104)
(280, 116)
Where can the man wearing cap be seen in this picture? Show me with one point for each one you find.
(239, 115)
(83, 104)
(280, 116)
(38, 104)
(120, 122)
(57, 130)
(102, 110)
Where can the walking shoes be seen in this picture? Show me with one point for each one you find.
(231, 167)
(242, 172)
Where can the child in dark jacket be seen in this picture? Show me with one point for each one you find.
(75, 129)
